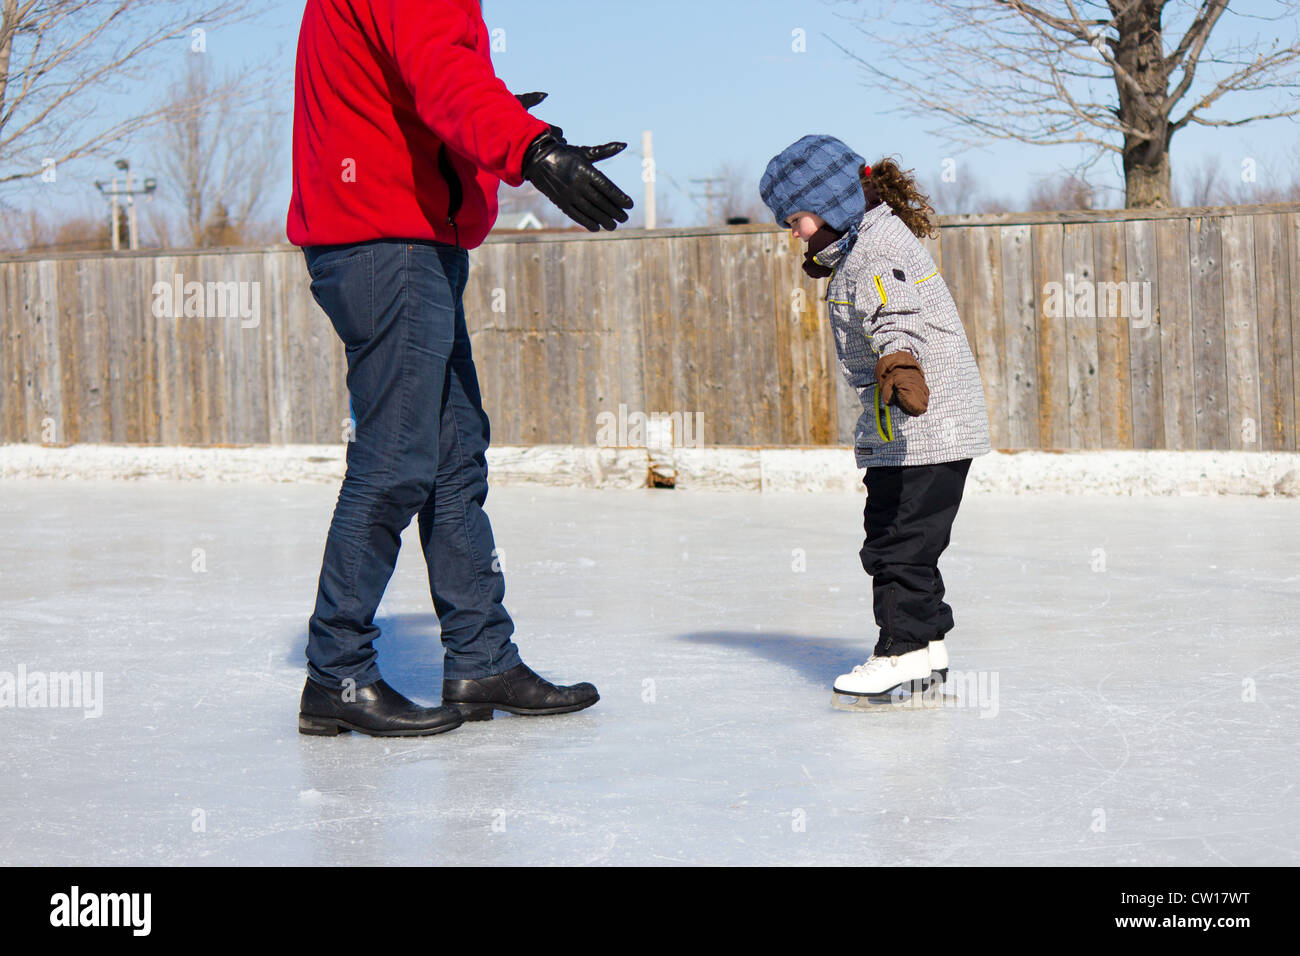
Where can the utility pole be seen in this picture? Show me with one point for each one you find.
(133, 232)
(113, 224)
(648, 176)
(708, 193)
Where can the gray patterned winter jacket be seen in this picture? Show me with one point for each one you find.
(886, 295)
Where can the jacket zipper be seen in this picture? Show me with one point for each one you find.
(887, 432)
(455, 191)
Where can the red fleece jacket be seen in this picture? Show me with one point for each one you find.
(381, 87)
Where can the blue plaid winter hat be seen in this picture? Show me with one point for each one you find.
(817, 174)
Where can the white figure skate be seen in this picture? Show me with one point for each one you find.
(883, 683)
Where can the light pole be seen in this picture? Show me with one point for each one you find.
(133, 235)
(648, 176)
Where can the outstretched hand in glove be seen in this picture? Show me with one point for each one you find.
(567, 176)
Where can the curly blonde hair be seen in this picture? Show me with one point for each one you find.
(899, 189)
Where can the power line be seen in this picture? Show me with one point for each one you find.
(708, 193)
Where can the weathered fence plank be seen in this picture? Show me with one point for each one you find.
(698, 318)
(1173, 256)
(1208, 359)
(730, 352)
(985, 269)
(1053, 342)
(136, 356)
(10, 367)
(1144, 336)
(562, 415)
(492, 314)
(1241, 341)
(1080, 320)
(657, 326)
(218, 339)
(771, 389)
(1018, 323)
(47, 383)
(70, 337)
(1293, 254)
(685, 344)
(624, 302)
(1114, 317)
(788, 357)
(1274, 345)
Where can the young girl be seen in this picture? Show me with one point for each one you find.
(901, 345)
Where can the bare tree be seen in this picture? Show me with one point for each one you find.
(60, 59)
(1203, 184)
(1101, 74)
(77, 229)
(736, 195)
(220, 144)
(82, 234)
(1060, 192)
(1216, 182)
(951, 197)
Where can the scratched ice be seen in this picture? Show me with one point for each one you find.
(1127, 680)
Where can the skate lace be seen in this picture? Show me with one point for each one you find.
(873, 663)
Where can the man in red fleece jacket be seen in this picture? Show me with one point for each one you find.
(402, 133)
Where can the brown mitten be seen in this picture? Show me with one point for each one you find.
(902, 382)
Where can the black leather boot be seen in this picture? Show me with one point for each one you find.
(378, 711)
(518, 691)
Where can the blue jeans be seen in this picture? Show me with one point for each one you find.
(419, 447)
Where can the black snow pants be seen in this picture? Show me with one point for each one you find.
(908, 518)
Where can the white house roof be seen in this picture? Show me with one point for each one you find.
(517, 220)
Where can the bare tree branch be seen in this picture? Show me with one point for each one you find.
(74, 54)
(1082, 72)
(219, 146)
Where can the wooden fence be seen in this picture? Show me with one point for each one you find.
(1199, 348)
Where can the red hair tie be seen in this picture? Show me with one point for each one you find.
(866, 172)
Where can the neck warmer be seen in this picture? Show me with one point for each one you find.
(819, 240)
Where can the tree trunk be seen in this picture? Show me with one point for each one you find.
(1146, 185)
(1140, 52)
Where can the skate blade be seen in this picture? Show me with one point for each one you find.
(855, 704)
(931, 698)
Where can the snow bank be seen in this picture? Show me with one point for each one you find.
(716, 469)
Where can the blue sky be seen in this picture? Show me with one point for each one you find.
(718, 83)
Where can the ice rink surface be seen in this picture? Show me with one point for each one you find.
(1128, 696)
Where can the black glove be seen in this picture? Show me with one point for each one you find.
(529, 100)
(565, 175)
